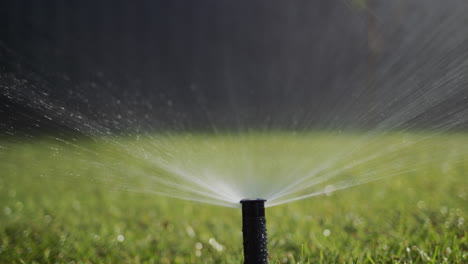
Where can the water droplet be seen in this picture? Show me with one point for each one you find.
(215, 244)
(7, 210)
(190, 231)
(47, 219)
(198, 245)
(421, 205)
(444, 210)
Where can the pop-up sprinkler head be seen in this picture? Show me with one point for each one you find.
(254, 230)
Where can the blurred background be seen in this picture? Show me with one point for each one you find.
(207, 65)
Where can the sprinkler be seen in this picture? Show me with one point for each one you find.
(254, 231)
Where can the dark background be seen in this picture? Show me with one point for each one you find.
(197, 64)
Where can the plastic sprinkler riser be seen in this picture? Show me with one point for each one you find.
(254, 231)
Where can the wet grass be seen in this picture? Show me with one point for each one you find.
(52, 210)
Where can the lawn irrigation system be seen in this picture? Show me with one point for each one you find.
(254, 231)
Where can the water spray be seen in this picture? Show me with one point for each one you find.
(254, 231)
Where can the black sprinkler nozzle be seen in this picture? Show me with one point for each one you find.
(255, 232)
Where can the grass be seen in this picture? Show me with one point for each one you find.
(55, 207)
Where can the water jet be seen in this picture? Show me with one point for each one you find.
(254, 231)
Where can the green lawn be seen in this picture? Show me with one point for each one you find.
(66, 203)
